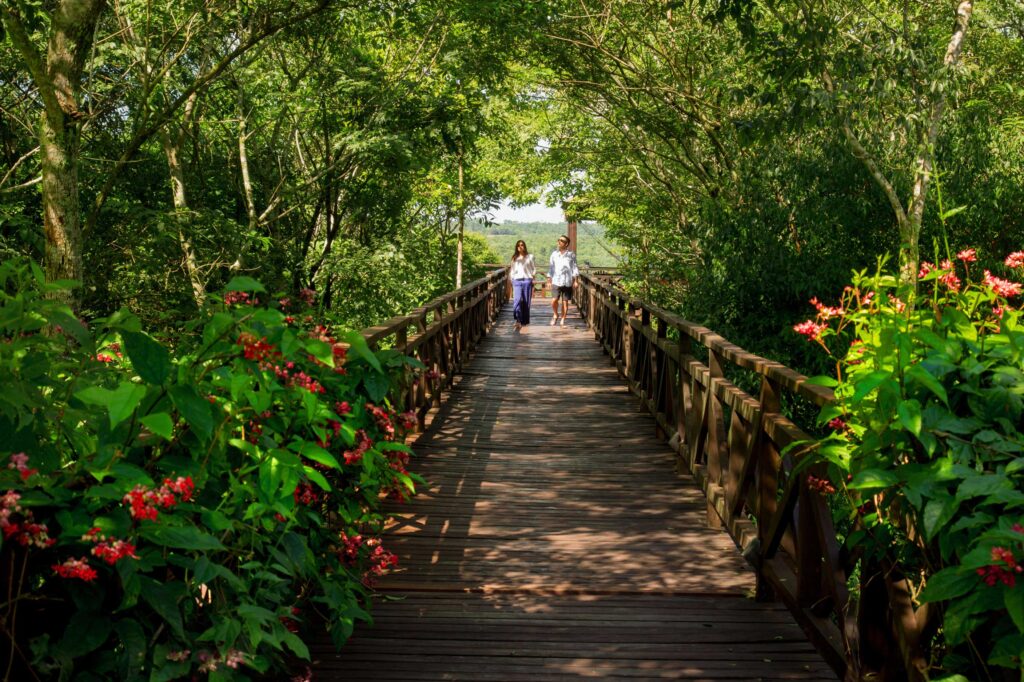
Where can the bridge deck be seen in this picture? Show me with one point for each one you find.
(553, 541)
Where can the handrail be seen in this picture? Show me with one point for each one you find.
(440, 334)
(732, 444)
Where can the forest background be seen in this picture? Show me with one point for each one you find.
(745, 156)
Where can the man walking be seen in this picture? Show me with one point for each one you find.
(562, 273)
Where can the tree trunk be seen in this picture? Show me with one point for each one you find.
(910, 228)
(58, 79)
(61, 216)
(462, 229)
(243, 161)
(182, 212)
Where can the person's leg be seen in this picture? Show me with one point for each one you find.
(517, 302)
(527, 300)
(565, 307)
(554, 302)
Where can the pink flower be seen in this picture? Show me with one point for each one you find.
(1001, 287)
(949, 277)
(19, 462)
(811, 329)
(1015, 260)
(837, 424)
(926, 267)
(967, 255)
(899, 305)
(824, 311)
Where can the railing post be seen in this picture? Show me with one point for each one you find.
(715, 440)
(768, 463)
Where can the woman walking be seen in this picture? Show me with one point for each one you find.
(562, 272)
(522, 271)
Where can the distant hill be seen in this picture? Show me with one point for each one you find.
(541, 240)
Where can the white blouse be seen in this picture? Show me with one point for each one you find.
(523, 267)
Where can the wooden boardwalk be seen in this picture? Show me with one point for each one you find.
(553, 541)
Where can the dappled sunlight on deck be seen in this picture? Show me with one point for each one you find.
(553, 539)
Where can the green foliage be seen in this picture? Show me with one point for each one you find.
(177, 510)
(592, 246)
(928, 450)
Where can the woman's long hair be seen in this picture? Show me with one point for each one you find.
(515, 251)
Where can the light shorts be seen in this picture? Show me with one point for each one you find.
(564, 293)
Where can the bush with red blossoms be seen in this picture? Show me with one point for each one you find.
(169, 514)
(926, 452)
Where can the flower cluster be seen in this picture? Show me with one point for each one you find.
(76, 568)
(1015, 260)
(256, 349)
(363, 443)
(811, 329)
(145, 501)
(108, 549)
(822, 485)
(19, 462)
(1002, 287)
(209, 662)
(239, 298)
(27, 532)
(1005, 569)
(381, 561)
(382, 418)
(305, 494)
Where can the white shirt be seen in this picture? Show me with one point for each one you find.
(523, 267)
(562, 268)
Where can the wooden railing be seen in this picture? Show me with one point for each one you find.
(440, 334)
(733, 443)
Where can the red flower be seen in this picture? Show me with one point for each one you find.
(76, 568)
(811, 329)
(1001, 287)
(967, 255)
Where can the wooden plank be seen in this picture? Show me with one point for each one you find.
(552, 539)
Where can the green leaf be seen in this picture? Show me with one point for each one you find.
(937, 514)
(159, 423)
(318, 454)
(920, 375)
(869, 383)
(377, 386)
(134, 640)
(194, 409)
(149, 358)
(949, 583)
(123, 401)
(181, 537)
(86, 632)
(983, 484)
(1015, 605)
(874, 478)
(318, 478)
(297, 646)
(357, 345)
(163, 598)
(243, 283)
(910, 416)
(952, 212)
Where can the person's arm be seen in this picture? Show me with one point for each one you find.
(551, 266)
(531, 267)
(575, 269)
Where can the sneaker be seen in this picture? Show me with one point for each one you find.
(554, 320)
(562, 323)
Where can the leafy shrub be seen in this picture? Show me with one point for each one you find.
(927, 448)
(172, 512)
